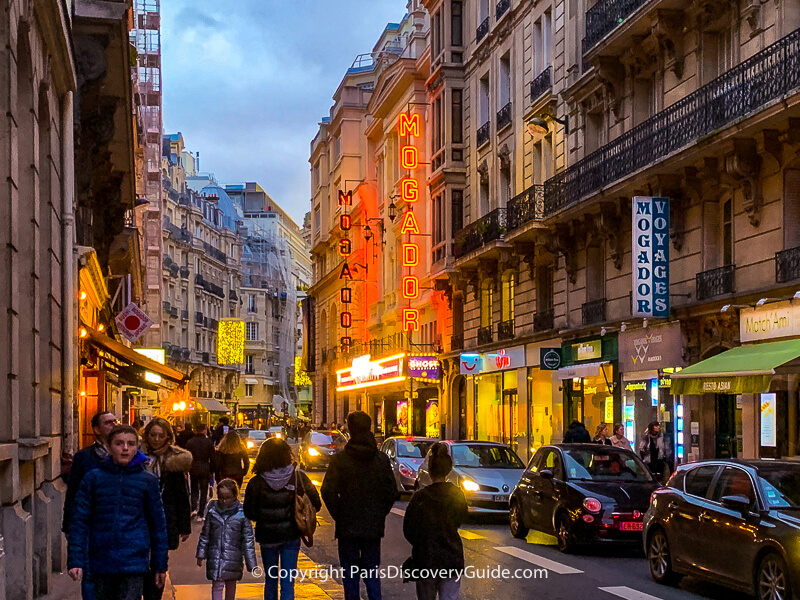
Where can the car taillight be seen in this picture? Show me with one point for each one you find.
(593, 505)
(406, 472)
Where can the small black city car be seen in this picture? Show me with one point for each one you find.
(733, 522)
(583, 494)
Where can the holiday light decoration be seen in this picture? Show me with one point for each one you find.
(301, 378)
(230, 342)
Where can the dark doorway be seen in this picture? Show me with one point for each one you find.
(727, 433)
(462, 408)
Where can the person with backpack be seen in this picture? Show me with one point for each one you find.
(270, 500)
(226, 542)
(431, 524)
(230, 459)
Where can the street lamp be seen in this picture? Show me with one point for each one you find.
(538, 127)
(367, 232)
(392, 211)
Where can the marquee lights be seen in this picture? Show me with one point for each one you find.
(345, 295)
(409, 224)
(410, 254)
(409, 125)
(345, 222)
(345, 247)
(409, 190)
(345, 272)
(345, 198)
(409, 158)
(346, 320)
(410, 286)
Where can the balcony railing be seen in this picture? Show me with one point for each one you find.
(604, 17)
(505, 330)
(486, 229)
(504, 116)
(594, 312)
(761, 79)
(232, 296)
(214, 253)
(198, 318)
(173, 312)
(526, 207)
(787, 265)
(543, 83)
(543, 320)
(482, 135)
(184, 315)
(716, 282)
(457, 341)
(501, 8)
(166, 306)
(485, 335)
(184, 271)
(482, 30)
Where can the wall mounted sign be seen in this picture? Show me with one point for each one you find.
(650, 256)
(424, 367)
(364, 372)
(504, 359)
(591, 350)
(410, 126)
(132, 322)
(651, 349)
(769, 407)
(768, 322)
(549, 359)
(470, 363)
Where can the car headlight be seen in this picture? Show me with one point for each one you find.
(593, 505)
(470, 485)
(406, 471)
(278, 435)
(313, 452)
(250, 444)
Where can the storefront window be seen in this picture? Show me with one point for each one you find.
(488, 397)
(545, 415)
(432, 419)
(591, 400)
(643, 402)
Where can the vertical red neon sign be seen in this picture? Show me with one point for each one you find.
(411, 126)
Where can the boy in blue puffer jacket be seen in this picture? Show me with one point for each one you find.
(118, 529)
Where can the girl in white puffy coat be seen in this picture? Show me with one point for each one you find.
(226, 542)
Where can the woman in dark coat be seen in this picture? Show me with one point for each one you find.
(230, 459)
(170, 464)
(269, 500)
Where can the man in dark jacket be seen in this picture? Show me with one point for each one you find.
(576, 434)
(220, 430)
(202, 449)
(118, 529)
(359, 490)
(185, 435)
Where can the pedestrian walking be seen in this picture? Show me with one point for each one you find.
(185, 435)
(230, 459)
(226, 542)
(202, 449)
(653, 450)
(601, 435)
(86, 460)
(221, 429)
(269, 500)
(576, 434)
(171, 465)
(618, 440)
(118, 530)
(431, 524)
(359, 490)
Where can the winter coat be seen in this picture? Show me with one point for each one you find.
(219, 432)
(202, 449)
(577, 434)
(230, 465)
(175, 492)
(273, 510)
(359, 489)
(622, 442)
(84, 461)
(644, 448)
(431, 523)
(226, 540)
(118, 524)
(603, 441)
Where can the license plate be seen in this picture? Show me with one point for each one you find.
(500, 498)
(630, 526)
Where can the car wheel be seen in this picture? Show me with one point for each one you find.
(566, 538)
(659, 559)
(518, 529)
(772, 580)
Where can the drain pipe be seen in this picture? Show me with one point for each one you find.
(69, 332)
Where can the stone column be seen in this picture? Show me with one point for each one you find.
(17, 525)
(43, 508)
(56, 491)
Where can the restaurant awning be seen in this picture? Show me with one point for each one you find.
(212, 405)
(105, 343)
(580, 370)
(741, 370)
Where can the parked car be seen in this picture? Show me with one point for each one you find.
(318, 447)
(485, 471)
(733, 522)
(582, 493)
(406, 455)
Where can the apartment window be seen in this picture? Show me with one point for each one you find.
(791, 208)
(509, 286)
(505, 81)
(544, 288)
(456, 210)
(251, 303)
(249, 388)
(249, 364)
(337, 148)
(484, 99)
(592, 137)
(505, 183)
(644, 98)
(542, 43)
(718, 54)
(252, 332)
(595, 273)
(484, 197)
(437, 124)
(457, 115)
(436, 32)
(483, 11)
(438, 219)
(727, 233)
(486, 303)
(457, 23)
(317, 219)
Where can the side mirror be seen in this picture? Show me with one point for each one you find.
(738, 503)
(546, 474)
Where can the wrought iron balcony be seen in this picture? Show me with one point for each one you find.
(543, 83)
(205, 357)
(742, 90)
(198, 318)
(787, 265)
(594, 312)
(505, 330)
(482, 135)
(198, 280)
(604, 17)
(184, 272)
(504, 117)
(184, 315)
(166, 306)
(215, 253)
(716, 282)
(482, 30)
(485, 335)
(501, 8)
(543, 320)
(173, 312)
(486, 229)
(526, 207)
(174, 269)
(457, 341)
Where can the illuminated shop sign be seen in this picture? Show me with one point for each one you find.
(504, 358)
(364, 372)
(410, 126)
(650, 256)
(470, 363)
(424, 367)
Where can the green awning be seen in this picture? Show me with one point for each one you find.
(741, 370)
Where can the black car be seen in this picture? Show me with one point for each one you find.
(733, 522)
(582, 493)
(318, 447)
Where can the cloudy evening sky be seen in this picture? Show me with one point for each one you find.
(247, 81)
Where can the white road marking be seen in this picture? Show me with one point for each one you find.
(399, 511)
(628, 593)
(539, 561)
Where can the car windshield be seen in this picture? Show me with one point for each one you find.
(325, 439)
(485, 456)
(257, 435)
(781, 487)
(605, 464)
(413, 449)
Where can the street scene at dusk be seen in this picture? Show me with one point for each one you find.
(397, 299)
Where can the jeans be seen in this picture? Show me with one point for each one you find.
(228, 586)
(151, 591)
(279, 562)
(199, 495)
(365, 554)
(118, 587)
(446, 589)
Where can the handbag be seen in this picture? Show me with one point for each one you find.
(305, 515)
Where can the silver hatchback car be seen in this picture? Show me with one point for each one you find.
(406, 455)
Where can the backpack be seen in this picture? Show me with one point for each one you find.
(305, 515)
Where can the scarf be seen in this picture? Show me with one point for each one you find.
(157, 459)
(278, 478)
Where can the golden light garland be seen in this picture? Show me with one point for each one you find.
(230, 342)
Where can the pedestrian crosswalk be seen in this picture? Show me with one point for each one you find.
(628, 593)
(539, 561)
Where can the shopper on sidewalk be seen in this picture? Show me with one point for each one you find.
(202, 449)
(618, 440)
(221, 429)
(269, 500)
(171, 465)
(226, 542)
(118, 530)
(653, 451)
(359, 490)
(577, 434)
(230, 459)
(431, 524)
